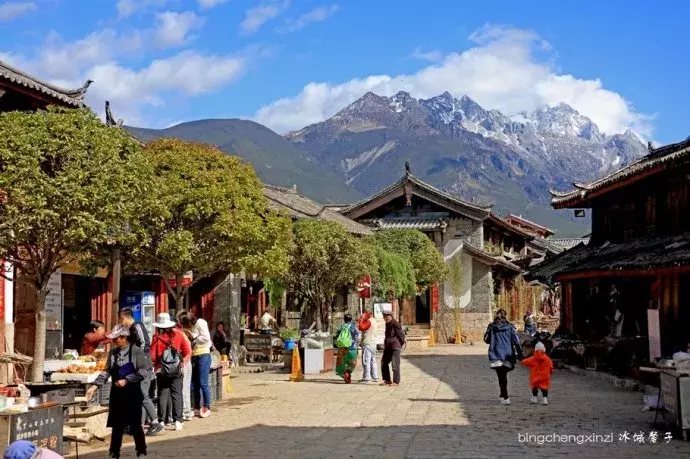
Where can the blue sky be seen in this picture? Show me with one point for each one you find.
(288, 63)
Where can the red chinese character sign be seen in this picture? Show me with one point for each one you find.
(364, 287)
(434, 297)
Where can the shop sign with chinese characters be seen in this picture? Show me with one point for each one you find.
(42, 427)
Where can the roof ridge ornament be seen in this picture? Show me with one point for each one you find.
(408, 172)
(109, 118)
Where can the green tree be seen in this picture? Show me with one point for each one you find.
(395, 277)
(325, 258)
(66, 180)
(415, 247)
(211, 216)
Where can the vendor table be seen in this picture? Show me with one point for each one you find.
(675, 390)
(42, 426)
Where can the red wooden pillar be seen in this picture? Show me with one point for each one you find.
(567, 307)
(207, 304)
(161, 297)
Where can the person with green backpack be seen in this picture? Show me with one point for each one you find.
(346, 342)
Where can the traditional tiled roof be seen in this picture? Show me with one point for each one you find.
(638, 254)
(498, 221)
(298, 206)
(466, 208)
(523, 220)
(491, 260)
(73, 97)
(657, 159)
(567, 243)
(422, 224)
(547, 245)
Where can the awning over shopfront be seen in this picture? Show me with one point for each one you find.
(633, 257)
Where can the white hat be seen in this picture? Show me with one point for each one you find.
(164, 321)
(540, 347)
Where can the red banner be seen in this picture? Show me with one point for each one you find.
(364, 287)
(434, 297)
(186, 280)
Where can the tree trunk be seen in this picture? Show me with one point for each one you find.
(116, 272)
(179, 293)
(39, 337)
(319, 314)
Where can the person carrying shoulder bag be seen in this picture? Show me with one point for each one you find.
(169, 353)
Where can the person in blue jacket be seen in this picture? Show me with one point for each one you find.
(504, 349)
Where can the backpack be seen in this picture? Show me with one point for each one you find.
(171, 364)
(344, 338)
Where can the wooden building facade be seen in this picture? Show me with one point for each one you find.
(637, 262)
(482, 250)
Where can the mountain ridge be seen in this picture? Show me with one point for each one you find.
(458, 145)
(455, 144)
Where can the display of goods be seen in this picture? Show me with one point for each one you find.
(87, 358)
(77, 369)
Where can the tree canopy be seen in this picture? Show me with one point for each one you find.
(418, 250)
(67, 181)
(325, 258)
(212, 216)
(395, 276)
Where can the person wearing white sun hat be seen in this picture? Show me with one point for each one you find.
(169, 352)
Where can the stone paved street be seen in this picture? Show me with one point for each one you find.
(447, 406)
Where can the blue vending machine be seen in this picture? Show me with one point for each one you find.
(143, 305)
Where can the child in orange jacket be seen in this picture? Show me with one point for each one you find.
(540, 369)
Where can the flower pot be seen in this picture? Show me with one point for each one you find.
(289, 344)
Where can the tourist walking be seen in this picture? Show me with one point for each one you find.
(169, 350)
(368, 327)
(393, 343)
(138, 336)
(540, 370)
(198, 333)
(346, 342)
(504, 349)
(127, 366)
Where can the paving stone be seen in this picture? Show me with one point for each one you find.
(446, 406)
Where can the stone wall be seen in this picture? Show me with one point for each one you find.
(468, 230)
(227, 308)
(482, 288)
(474, 325)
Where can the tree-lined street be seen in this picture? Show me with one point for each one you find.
(447, 406)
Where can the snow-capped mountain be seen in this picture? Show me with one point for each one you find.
(457, 144)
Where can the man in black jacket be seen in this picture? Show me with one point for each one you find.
(392, 345)
(138, 336)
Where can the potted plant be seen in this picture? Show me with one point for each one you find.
(289, 336)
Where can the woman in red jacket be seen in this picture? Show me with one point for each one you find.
(170, 351)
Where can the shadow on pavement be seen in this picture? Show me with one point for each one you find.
(395, 424)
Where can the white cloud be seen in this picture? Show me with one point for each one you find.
(319, 14)
(126, 8)
(207, 4)
(431, 56)
(187, 73)
(257, 16)
(12, 10)
(502, 71)
(173, 28)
